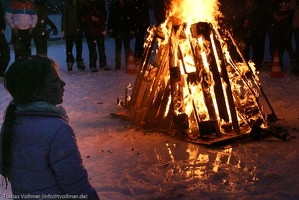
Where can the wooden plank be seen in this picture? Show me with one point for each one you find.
(163, 107)
(229, 93)
(137, 90)
(162, 71)
(203, 81)
(219, 94)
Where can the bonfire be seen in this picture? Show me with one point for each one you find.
(189, 86)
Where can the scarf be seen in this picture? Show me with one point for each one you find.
(42, 106)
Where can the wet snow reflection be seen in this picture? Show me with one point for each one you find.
(197, 162)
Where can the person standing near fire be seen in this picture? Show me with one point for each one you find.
(21, 17)
(295, 23)
(142, 23)
(121, 27)
(281, 31)
(72, 31)
(161, 9)
(252, 32)
(40, 31)
(4, 50)
(94, 18)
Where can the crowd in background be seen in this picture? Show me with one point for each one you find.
(248, 20)
(250, 25)
(86, 18)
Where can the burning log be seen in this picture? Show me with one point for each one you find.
(202, 29)
(189, 86)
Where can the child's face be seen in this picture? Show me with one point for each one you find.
(53, 88)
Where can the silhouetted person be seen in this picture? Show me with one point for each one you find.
(4, 50)
(121, 27)
(40, 36)
(282, 31)
(94, 19)
(295, 23)
(142, 23)
(72, 31)
(21, 18)
(252, 32)
(161, 10)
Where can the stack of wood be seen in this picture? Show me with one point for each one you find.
(225, 104)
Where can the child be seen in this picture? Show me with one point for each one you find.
(39, 153)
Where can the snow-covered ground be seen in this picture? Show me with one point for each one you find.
(127, 163)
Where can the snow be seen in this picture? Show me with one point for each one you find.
(127, 163)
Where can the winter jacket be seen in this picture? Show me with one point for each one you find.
(295, 7)
(94, 9)
(43, 21)
(2, 20)
(251, 24)
(141, 15)
(21, 15)
(45, 155)
(285, 17)
(71, 23)
(160, 10)
(120, 18)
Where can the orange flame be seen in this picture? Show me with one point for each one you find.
(207, 80)
(193, 11)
